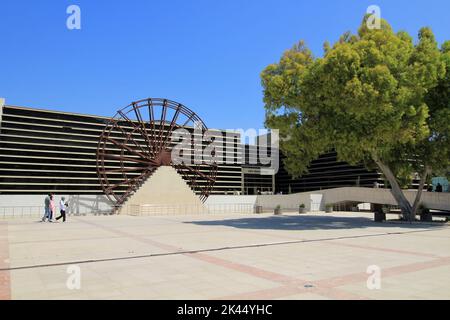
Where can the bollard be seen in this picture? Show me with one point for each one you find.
(380, 216)
(258, 209)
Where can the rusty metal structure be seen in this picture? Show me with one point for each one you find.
(139, 139)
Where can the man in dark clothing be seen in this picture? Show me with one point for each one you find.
(62, 209)
(439, 188)
(47, 210)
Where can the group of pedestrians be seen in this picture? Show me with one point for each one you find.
(439, 188)
(50, 209)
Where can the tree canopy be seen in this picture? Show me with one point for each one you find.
(375, 97)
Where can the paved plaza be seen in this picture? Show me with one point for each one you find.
(314, 256)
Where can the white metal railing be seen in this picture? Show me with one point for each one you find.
(21, 212)
(150, 209)
(18, 212)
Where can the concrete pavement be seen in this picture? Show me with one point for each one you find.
(293, 256)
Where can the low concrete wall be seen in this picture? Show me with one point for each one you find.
(92, 204)
(291, 201)
(216, 199)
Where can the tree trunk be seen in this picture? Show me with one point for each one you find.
(423, 179)
(396, 191)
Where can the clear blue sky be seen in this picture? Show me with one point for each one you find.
(206, 54)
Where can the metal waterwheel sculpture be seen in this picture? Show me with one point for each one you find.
(138, 140)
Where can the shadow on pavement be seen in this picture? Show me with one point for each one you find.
(307, 222)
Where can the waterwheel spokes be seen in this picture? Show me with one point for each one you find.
(138, 138)
(122, 132)
(196, 172)
(143, 128)
(124, 146)
(138, 127)
(171, 128)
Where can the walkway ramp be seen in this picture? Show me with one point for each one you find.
(432, 200)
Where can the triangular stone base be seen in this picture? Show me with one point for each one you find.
(165, 192)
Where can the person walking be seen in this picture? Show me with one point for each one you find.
(62, 209)
(47, 213)
(52, 208)
(439, 187)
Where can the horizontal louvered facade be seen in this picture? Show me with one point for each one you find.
(258, 178)
(327, 172)
(44, 151)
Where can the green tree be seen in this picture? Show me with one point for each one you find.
(375, 97)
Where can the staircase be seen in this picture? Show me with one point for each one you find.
(165, 190)
(117, 208)
(139, 185)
